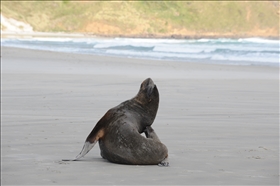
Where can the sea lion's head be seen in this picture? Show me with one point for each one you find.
(148, 98)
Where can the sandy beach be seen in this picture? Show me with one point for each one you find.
(219, 122)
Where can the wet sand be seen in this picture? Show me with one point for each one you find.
(219, 122)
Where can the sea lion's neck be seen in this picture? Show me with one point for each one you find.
(147, 113)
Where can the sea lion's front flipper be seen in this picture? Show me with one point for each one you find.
(151, 134)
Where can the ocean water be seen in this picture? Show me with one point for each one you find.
(245, 51)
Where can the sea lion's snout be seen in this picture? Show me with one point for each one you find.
(150, 82)
(148, 92)
(149, 85)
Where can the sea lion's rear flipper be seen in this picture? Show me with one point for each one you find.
(164, 163)
(87, 147)
(96, 133)
(91, 140)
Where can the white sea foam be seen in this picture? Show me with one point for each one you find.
(251, 50)
(259, 40)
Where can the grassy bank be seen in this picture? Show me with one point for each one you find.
(142, 18)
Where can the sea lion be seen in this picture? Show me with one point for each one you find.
(119, 131)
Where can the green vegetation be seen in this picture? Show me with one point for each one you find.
(143, 18)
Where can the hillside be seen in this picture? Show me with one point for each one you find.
(149, 19)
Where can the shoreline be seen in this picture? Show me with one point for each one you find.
(194, 61)
(5, 34)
